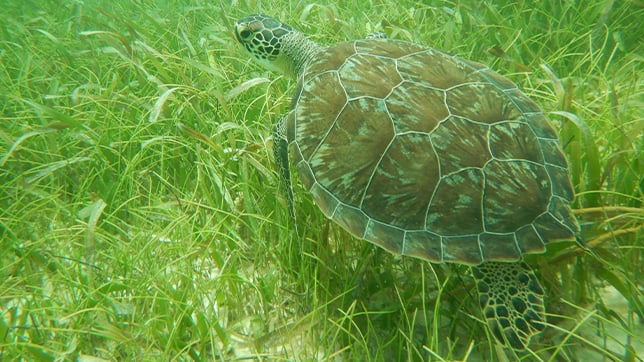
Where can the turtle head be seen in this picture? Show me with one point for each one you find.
(273, 44)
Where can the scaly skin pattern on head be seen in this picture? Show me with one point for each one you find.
(275, 45)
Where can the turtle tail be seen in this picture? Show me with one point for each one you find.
(512, 301)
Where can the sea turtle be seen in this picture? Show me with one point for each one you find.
(424, 154)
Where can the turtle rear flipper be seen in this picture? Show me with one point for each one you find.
(512, 301)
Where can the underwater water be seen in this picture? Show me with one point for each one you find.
(142, 218)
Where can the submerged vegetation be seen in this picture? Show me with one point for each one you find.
(141, 216)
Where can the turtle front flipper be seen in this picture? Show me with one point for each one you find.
(280, 153)
(512, 301)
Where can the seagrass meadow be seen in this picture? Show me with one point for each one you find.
(141, 216)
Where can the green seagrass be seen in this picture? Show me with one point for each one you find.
(424, 154)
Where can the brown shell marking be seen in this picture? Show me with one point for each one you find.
(428, 155)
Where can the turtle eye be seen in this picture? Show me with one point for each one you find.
(245, 34)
